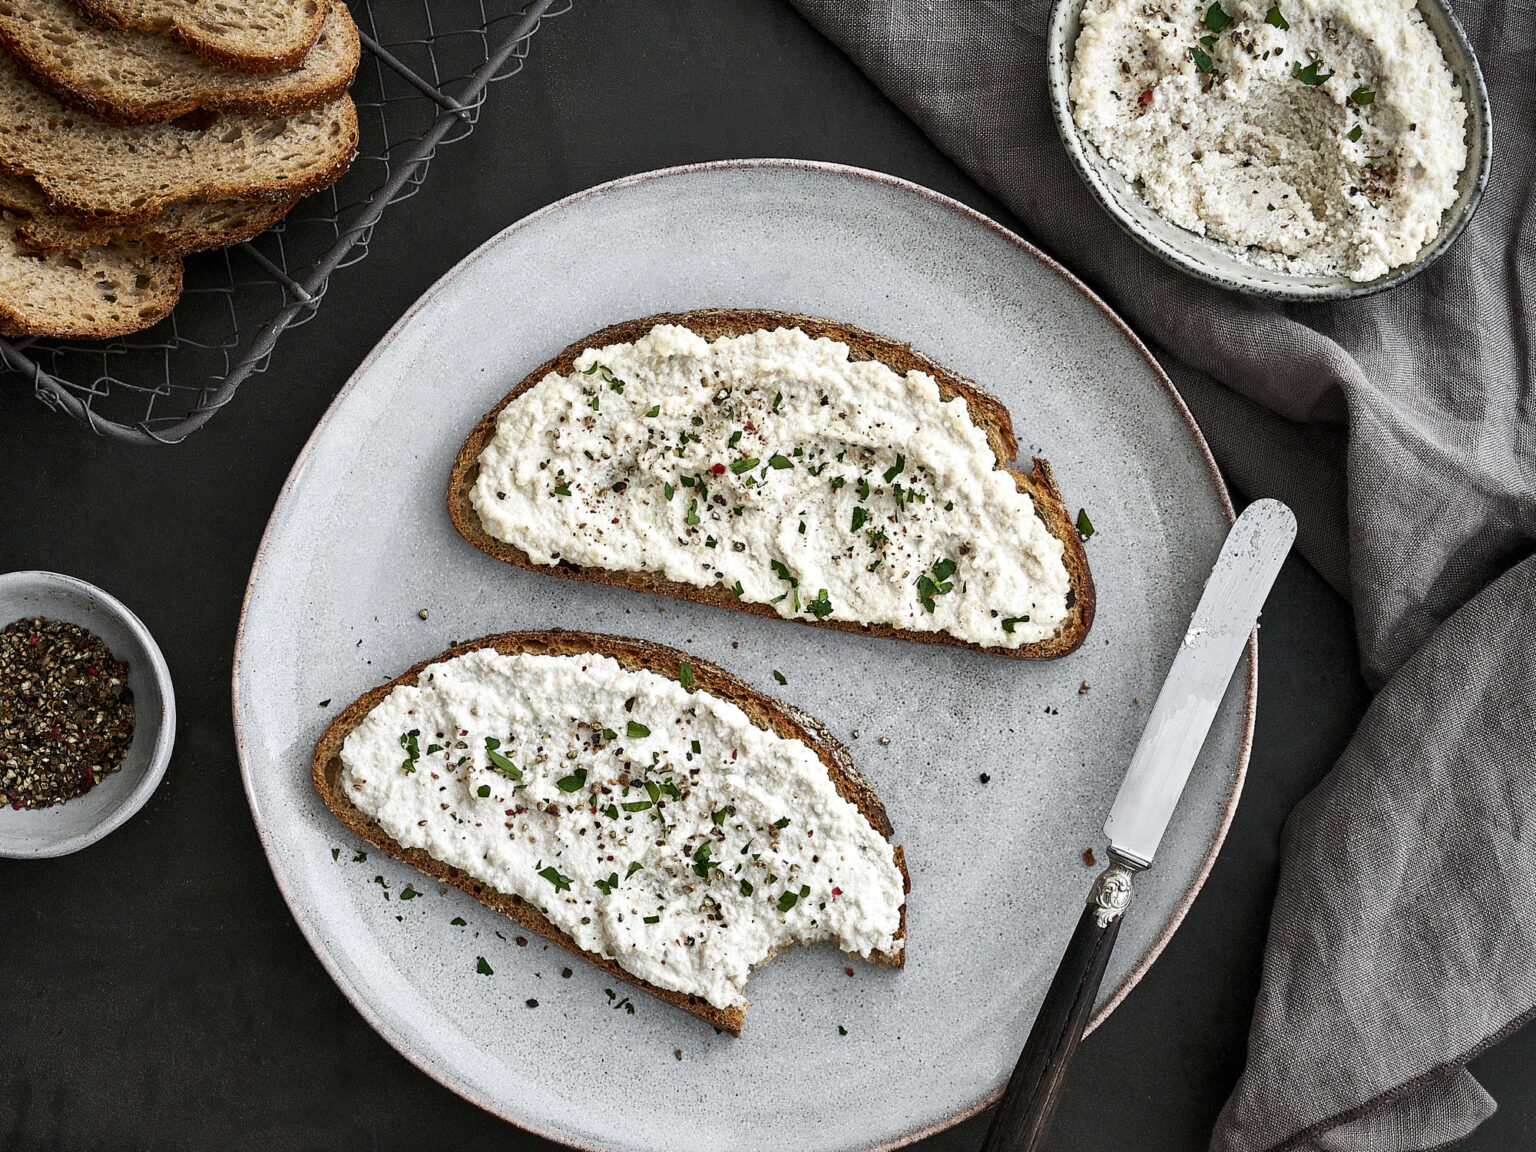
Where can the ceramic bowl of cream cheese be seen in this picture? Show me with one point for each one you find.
(68, 827)
(1244, 268)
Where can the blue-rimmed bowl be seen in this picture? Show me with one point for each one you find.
(69, 827)
(1222, 264)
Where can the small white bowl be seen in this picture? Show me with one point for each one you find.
(1221, 264)
(65, 828)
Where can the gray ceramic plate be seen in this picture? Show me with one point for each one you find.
(360, 542)
(67, 828)
(1222, 264)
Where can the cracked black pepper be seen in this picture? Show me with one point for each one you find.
(66, 714)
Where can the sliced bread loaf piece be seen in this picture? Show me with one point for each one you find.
(191, 226)
(261, 36)
(108, 175)
(782, 465)
(104, 292)
(129, 77)
(603, 792)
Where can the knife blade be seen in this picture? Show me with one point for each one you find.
(1229, 608)
(1235, 591)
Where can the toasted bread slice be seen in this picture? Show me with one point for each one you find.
(988, 413)
(128, 77)
(108, 175)
(104, 292)
(193, 226)
(632, 655)
(261, 36)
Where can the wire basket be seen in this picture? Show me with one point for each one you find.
(427, 66)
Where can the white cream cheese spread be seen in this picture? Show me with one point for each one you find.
(1317, 136)
(656, 825)
(773, 466)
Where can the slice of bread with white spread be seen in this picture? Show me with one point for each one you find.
(261, 36)
(782, 465)
(638, 806)
(103, 292)
(129, 77)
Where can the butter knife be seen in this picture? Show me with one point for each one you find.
(1228, 610)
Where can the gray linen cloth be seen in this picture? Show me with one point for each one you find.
(1402, 428)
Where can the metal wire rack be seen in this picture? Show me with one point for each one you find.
(426, 69)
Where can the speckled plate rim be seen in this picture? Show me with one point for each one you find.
(1088, 162)
(165, 733)
(311, 933)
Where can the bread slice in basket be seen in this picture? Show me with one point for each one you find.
(109, 175)
(702, 800)
(190, 226)
(129, 77)
(243, 35)
(782, 465)
(103, 292)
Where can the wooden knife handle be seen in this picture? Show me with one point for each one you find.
(1029, 1102)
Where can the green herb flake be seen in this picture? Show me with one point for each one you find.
(778, 398)
(896, 469)
(685, 674)
(1010, 621)
(360, 858)
(780, 462)
(1084, 525)
(483, 791)
(788, 901)
(694, 747)
(1355, 133)
(863, 489)
(409, 893)
(654, 410)
(779, 676)
(668, 491)
(1362, 95)
(718, 816)
(651, 919)
(612, 812)
(1274, 18)
(573, 782)
(701, 861)
(738, 590)
(1216, 19)
(745, 464)
(459, 921)
(482, 967)
(693, 513)
(1202, 61)
(860, 518)
(561, 883)
(562, 489)
(636, 730)
(746, 888)
(499, 762)
(607, 886)
(637, 806)
(836, 482)
(1207, 42)
(1310, 74)
(782, 822)
(335, 853)
(821, 607)
(634, 866)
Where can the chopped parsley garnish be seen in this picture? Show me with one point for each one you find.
(634, 866)
(335, 853)
(944, 569)
(1362, 95)
(937, 585)
(1310, 74)
(821, 607)
(1084, 525)
(637, 806)
(896, 469)
(746, 888)
(841, 1031)
(693, 513)
(734, 440)
(654, 410)
(1355, 133)
(607, 886)
(636, 730)
(863, 489)
(409, 893)
(860, 518)
(782, 572)
(459, 920)
(1010, 621)
(573, 782)
(779, 676)
(780, 461)
(651, 919)
(782, 822)
(1216, 19)
(499, 762)
(483, 791)
(1273, 17)
(561, 883)
(694, 747)
(738, 590)
(719, 815)
(668, 491)
(482, 967)
(788, 901)
(837, 482)
(685, 674)
(562, 489)
(745, 464)
(777, 398)
(701, 861)
(612, 812)
(610, 734)
(1202, 61)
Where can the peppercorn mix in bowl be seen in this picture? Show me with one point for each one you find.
(87, 714)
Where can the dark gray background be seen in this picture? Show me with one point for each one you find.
(155, 992)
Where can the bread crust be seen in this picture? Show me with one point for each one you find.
(633, 655)
(249, 101)
(987, 411)
(282, 59)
